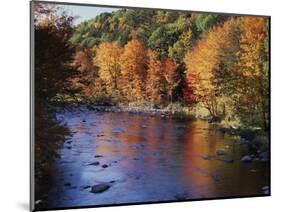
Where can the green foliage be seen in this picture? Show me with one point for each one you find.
(126, 24)
(204, 22)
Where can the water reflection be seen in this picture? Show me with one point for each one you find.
(149, 158)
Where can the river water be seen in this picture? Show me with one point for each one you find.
(148, 159)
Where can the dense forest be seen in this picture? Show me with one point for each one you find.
(155, 58)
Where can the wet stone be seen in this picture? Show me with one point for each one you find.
(228, 160)
(67, 184)
(104, 166)
(182, 196)
(98, 156)
(86, 187)
(118, 130)
(208, 157)
(220, 152)
(94, 163)
(246, 159)
(100, 188)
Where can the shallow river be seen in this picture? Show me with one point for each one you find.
(148, 158)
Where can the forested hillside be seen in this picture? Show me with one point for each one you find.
(161, 59)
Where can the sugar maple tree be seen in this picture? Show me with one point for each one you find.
(133, 63)
(205, 61)
(252, 69)
(171, 77)
(155, 86)
(108, 60)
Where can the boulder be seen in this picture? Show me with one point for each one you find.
(100, 188)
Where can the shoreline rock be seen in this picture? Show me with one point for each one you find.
(246, 159)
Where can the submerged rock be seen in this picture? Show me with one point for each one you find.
(100, 188)
(67, 184)
(98, 156)
(182, 196)
(246, 159)
(94, 163)
(220, 152)
(208, 157)
(104, 166)
(118, 130)
(228, 160)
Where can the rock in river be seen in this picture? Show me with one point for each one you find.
(94, 164)
(227, 160)
(100, 188)
(220, 152)
(67, 184)
(104, 166)
(246, 159)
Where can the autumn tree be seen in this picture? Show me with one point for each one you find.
(207, 59)
(88, 73)
(172, 80)
(253, 73)
(155, 84)
(133, 63)
(108, 60)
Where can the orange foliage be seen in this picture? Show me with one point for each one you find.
(155, 80)
(108, 60)
(171, 76)
(205, 60)
(133, 69)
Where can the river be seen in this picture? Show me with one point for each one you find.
(146, 159)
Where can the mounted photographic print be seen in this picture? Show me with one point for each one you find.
(139, 105)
